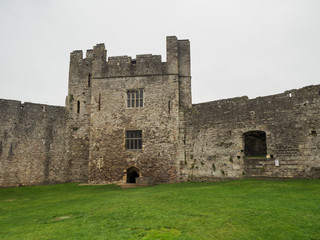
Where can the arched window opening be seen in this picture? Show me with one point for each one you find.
(78, 106)
(132, 174)
(255, 144)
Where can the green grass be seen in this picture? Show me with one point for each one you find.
(244, 209)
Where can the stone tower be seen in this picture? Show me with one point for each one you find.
(126, 115)
(79, 107)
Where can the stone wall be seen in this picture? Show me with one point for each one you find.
(85, 141)
(166, 88)
(215, 145)
(32, 144)
(159, 124)
(42, 144)
(79, 108)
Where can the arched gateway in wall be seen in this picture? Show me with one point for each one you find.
(132, 173)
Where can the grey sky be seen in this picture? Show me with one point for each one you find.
(246, 47)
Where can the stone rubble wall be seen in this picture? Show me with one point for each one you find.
(32, 144)
(79, 109)
(167, 91)
(215, 147)
(157, 159)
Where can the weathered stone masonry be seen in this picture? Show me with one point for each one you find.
(215, 142)
(158, 119)
(87, 141)
(32, 144)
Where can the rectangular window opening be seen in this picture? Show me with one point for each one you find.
(133, 140)
(135, 98)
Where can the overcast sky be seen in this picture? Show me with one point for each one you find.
(247, 47)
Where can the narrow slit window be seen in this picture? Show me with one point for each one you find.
(89, 80)
(99, 102)
(11, 150)
(78, 106)
(135, 98)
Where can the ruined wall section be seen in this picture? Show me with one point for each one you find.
(78, 106)
(159, 118)
(32, 144)
(291, 123)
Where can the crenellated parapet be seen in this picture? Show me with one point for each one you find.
(140, 66)
(178, 62)
(80, 66)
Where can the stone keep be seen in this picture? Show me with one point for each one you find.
(132, 120)
(99, 92)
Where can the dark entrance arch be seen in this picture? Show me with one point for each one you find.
(132, 174)
(255, 144)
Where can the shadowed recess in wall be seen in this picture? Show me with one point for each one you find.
(132, 174)
(255, 144)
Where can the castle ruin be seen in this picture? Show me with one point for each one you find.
(132, 120)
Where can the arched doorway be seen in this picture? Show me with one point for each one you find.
(132, 174)
(255, 144)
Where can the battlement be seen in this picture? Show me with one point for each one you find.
(146, 64)
(178, 61)
(89, 53)
(77, 55)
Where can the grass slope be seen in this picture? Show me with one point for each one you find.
(244, 209)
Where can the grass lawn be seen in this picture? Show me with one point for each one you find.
(243, 209)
